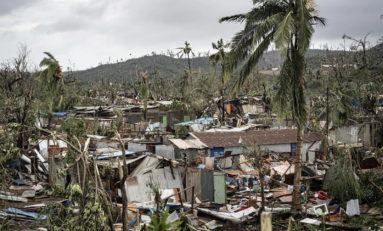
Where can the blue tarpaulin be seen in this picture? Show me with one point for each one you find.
(60, 113)
(217, 152)
(34, 215)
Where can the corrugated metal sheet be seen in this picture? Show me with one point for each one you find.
(193, 178)
(145, 166)
(138, 188)
(219, 188)
(188, 144)
(166, 151)
(207, 179)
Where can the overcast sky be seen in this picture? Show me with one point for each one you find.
(82, 33)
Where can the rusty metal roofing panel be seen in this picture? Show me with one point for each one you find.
(262, 137)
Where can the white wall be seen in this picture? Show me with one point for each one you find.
(234, 150)
(345, 135)
(282, 148)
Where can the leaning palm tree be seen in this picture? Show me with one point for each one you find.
(289, 24)
(220, 57)
(51, 78)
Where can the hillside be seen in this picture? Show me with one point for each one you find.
(172, 68)
(165, 65)
(126, 71)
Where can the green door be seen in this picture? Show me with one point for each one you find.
(219, 187)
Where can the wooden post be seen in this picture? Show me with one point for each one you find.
(52, 169)
(34, 168)
(266, 221)
(179, 193)
(33, 164)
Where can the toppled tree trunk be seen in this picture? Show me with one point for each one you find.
(296, 205)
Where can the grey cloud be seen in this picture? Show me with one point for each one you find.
(87, 32)
(356, 18)
(61, 26)
(7, 6)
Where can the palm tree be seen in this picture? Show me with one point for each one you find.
(220, 57)
(289, 24)
(186, 50)
(144, 93)
(51, 77)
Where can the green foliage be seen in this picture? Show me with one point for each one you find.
(73, 126)
(7, 152)
(76, 129)
(174, 106)
(181, 131)
(84, 212)
(364, 221)
(55, 190)
(289, 25)
(341, 181)
(184, 223)
(294, 225)
(199, 97)
(51, 81)
(18, 98)
(119, 123)
(158, 222)
(370, 192)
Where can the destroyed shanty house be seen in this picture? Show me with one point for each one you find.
(220, 144)
(189, 150)
(199, 124)
(367, 134)
(205, 170)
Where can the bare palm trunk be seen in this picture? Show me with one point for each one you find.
(145, 110)
(223, 102)
(190, 70)
(189, 63)
(296, 205)
(123, 177)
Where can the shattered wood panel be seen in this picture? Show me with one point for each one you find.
(226, 162)
(193, 178)
(207, 182)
